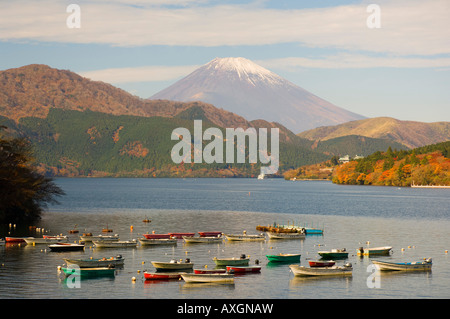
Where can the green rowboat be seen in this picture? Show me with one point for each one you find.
(89, 272)
(287, 258)
(334, 254)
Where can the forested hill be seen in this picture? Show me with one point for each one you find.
(428, 165)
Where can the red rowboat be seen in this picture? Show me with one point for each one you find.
(210, 233)
(161, 275)
(209, 271)
(243, 269)
(327, 263)
(157, 236)
(180, 235)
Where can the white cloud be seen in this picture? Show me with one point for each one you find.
(407, 27)
(354, 61)
(139, 74)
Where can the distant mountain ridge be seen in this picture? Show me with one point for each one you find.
(409, 133)
(249, 90)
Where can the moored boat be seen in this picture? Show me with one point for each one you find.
(243, 269)
(47, 240)
(161, 275)
(157, 241)
(96, 262)
(173, 265)
(88, 237)
(208, 278)
(244, 237)
(334, 254)
(404, 266)
(374, 251)
(89, 272)
(156, 236)
(287, 235)
(233, 261)
(115, 243)
(320, 263)
(65, 247)
(345, 270)
(210, 233)
(280, 258)
(197, 240)
(180, 235)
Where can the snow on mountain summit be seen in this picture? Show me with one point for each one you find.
(245, 88)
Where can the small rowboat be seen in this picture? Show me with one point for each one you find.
(373, 251)
(197, 240)
(243, 269)
(210, 233)
(47, 240)
(161, 275)
(233, 261)
(157, 241)
(115, 243)
(210, 271)
(96, 262)
(404, 266)
(291, 258)
(208, 278)
(89, 238)
(173, 265)
(322, 271)
(334, 254)
(180, 235)
(319, 263)
(245, 237)
(156, 236)
(277, 235)
(65, 247)
(89, 272)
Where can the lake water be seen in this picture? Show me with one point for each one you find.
(415, 222)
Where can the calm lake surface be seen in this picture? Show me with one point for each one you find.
(415, 222)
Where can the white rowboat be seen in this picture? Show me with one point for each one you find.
(115, 243)
(208, 278)
(322, 271)
(404, 266)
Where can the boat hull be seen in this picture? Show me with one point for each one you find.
(115, 244)
(156, 236)
(37, 241)
(160, 241)
(318, 263)
(404, 266)
(243, 269)
(180, 235)
(376, 251)
(172, 266)
(208, 278)
(231, 261)
(333, 254)
(93, 263)
(202, 240)
(276, 235)
(87, 238)
(89, 272)
(302, 271)
(231, 237)
(161, 276)
(284, 258)
(210, 233)
(65, 247)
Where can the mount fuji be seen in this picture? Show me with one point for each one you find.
(243, 87)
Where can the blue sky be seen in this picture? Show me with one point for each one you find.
(400, 70)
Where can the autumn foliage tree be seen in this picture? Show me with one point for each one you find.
(23, 192)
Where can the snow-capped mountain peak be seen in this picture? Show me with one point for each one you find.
(245, 88)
